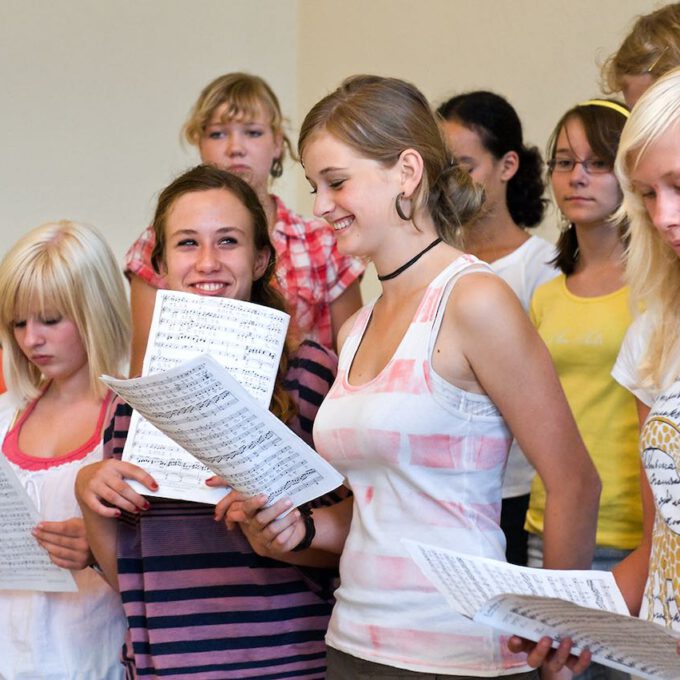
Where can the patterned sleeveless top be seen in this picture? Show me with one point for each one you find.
(425, 461)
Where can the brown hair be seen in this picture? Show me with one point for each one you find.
(381, 117)
(246, 96)
(603, 126)
(652, 46)
(205, 178)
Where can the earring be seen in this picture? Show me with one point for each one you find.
(400, 210)
(277, 168)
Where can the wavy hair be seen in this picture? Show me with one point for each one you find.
(245, 96)
(652, 46)
(381, 117)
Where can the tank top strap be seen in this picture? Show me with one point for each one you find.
(419, 339)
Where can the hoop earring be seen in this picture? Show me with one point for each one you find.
(277, 168)
(400, 210)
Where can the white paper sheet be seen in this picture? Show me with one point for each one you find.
(641, 648)
(208, 413)
(468, 582)
(24, 565)
(247, 339)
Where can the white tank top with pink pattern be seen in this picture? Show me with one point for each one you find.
(425, 461)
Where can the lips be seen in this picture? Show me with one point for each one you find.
(41, 359)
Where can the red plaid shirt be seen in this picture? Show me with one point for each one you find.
(310, 271)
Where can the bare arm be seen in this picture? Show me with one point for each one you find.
(343, 307)
(101, 491)
(631, 573)
(142, 300)
(513, 366)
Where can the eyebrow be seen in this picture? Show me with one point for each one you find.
(221, 230)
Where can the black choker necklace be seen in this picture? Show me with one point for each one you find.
(413, 260)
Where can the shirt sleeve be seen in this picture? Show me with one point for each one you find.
(138, 259)
(116, 431)
(310, 374)
(633, 347)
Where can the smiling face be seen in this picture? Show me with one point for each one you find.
(209, 246)
(52, 343)
(655, 176)
(355, 195)
(246, 147)
(584, 199)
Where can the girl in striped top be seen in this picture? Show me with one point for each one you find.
(199, 602)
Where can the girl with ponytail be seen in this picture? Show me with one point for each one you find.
(432, 378)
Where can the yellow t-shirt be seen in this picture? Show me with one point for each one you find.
(583, 336)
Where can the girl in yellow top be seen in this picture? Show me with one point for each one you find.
(583, 315)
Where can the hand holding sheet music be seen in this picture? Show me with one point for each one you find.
(585, 606)
(204, 410)
(24, 565)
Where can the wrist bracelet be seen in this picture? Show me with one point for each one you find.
(310, 531)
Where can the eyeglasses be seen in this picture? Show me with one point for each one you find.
(593, 166)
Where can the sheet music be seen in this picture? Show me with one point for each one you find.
(628, 644)
(208, 413)
(247, 339)
(468, 582)
(24, 564)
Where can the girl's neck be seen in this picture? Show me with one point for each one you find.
(75, 388)
(269, 205)
(494, 235)
(599, 245)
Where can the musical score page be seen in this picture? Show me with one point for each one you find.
(204, 410)
(247, 339)
(24, 564)
(642, 648)
(468, 582)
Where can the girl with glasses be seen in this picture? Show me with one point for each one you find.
(583, 315)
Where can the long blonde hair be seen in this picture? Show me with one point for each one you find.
(65, 268)
(652, 267)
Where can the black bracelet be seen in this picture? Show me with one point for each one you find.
(310, 531)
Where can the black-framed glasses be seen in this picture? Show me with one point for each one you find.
(593, 166)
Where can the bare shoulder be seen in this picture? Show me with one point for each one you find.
(482, 300)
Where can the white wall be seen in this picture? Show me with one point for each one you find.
(94, 92)
(543, 55)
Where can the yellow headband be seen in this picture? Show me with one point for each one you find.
(607, 104)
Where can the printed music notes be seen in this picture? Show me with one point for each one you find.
(202, 408)
(585, 606)
(245, 338)
(468, 581)
(24, 565)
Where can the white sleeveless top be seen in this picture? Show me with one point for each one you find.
(425, 461)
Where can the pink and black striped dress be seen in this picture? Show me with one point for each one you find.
(424, 460)
(199, 602)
